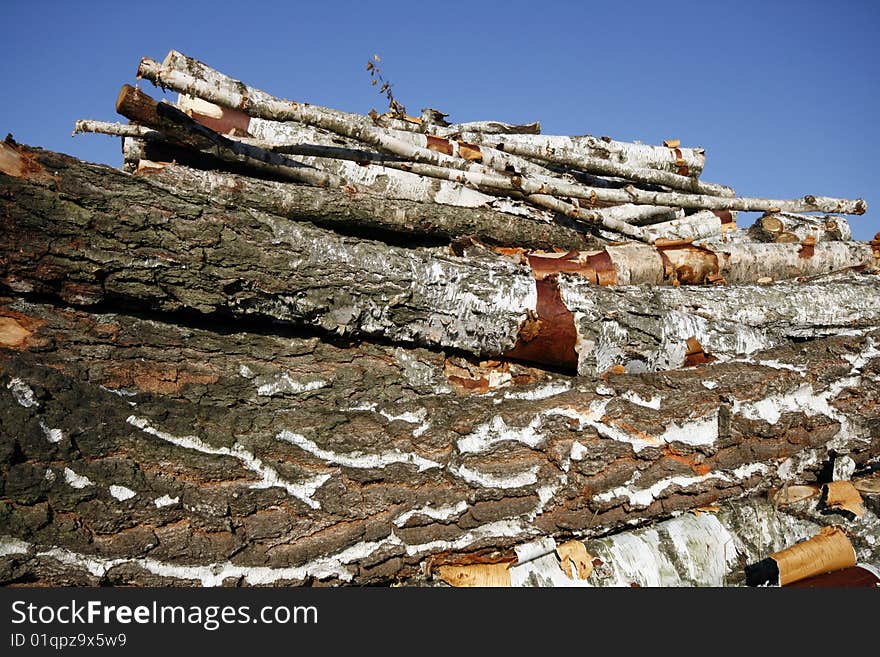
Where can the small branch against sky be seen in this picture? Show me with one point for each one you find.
(394, 107)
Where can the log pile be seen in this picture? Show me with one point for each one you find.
(288, 344)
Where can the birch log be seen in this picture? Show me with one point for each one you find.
(230, 93)
(700, 225)
(324, 152)
(115, 129)
(138, 106)
(359, 213)
(707, 547)
(144, 451)
(487, 128)
(681, 161)
(160, 251)
(608, 167)
(776, 226)
(680, 262)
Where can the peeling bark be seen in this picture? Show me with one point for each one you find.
(608, 167)
(778, 226)
(233, 94)
(138, 106)
(345, 210)
(144, 451)
(680, 161)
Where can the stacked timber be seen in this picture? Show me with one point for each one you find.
(288, 344)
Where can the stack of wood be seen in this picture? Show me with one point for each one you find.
(323, 346)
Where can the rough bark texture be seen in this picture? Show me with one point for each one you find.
(153, 249)
(349, 211)
(149, 451)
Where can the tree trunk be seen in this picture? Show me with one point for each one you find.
(160, 450)
(155, 249)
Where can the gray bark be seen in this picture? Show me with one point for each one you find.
(219, 89)
(146, 451)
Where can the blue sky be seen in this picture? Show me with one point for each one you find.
(783, 95)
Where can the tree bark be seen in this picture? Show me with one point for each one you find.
(700, 225)
(253, 102)
(707, 547)
(777, 226)
(167, 119)
(157, 451)
(360, 213)
(681, 161)
(155, 249)
(608, 167)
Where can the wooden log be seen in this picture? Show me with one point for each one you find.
(706, 547)
(674, 159)
(354, 164)
(115, 129)
(138, 106)
(231, 93)
(786, 226)
(700, 225)
(158, 250)
(608, 167)
(162, 451)
(360, 213)
(487, 128)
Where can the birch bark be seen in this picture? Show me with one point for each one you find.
(642, 156)
(196, 454)
(257, 103)
(158, 250)
(772, 226)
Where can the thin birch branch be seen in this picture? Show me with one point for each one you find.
(781, 226)
(258, 103)
(607, 167)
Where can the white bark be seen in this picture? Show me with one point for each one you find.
(684, 263)
(486, 128)
(642, 156)
(648, 329)
(226, 85)
(138, 106)
(257, 103)
(490, 157)
(114, 129)
(778, 226)
(700, 225)
(705, 548)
